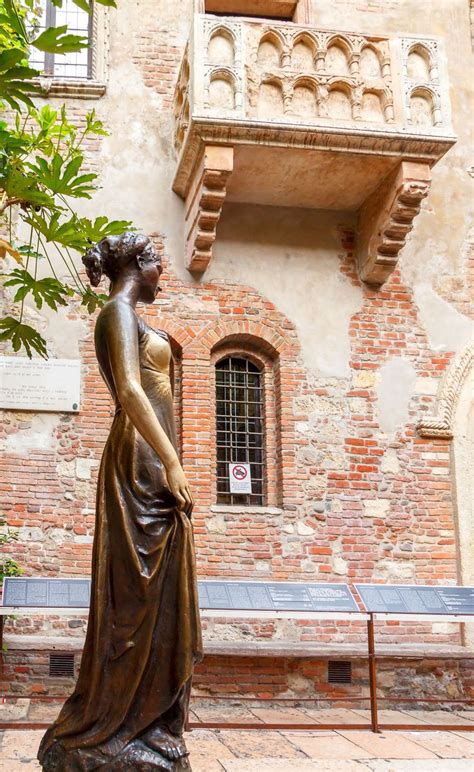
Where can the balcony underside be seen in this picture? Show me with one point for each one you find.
(382, 175)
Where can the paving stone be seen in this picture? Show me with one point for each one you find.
(467, 735)
(18, 766)
(227, 713)
(327, 746)
(386, 716)
(293, 765)
(259, 744)
(336, 716)
(444, 744)
(20, 745)
(466, 715)
(206, 743)
(387, 745)
(420, 765)
(282, 716)
(441, 716)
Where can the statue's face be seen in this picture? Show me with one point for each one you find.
(150, 271)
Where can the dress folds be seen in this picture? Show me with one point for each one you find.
(143, 636)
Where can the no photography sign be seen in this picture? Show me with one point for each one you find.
(239, 478)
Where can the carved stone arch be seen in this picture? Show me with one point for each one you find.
(304, 97)
(441, 423)
(424, 53)
(304, 38)
(221, 30)
(340, 99)
(271, 97)
(378, 54)
(342, 41)
(226, 75)
(274, 38)
(219, 27)
(428, 95)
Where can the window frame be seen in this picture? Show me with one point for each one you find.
(261, 495)
(51, 59)
(258, 352)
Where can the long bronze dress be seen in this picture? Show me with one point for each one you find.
(143, 636)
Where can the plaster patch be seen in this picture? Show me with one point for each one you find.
(389, 463)
(38, 435)
(291, 256)
(446, 328)
(376, 507)
(394, 570)
(397, 381)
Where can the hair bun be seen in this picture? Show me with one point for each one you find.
(94, 263)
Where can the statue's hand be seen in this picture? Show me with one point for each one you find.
(179, 488)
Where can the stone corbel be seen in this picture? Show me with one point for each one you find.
(204, 204)
(386, 218)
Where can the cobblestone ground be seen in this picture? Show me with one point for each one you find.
(265, 750)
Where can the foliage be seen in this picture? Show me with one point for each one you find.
(8, 566)
(42, 171)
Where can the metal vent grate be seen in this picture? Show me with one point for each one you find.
(61, 665)
(339, 672)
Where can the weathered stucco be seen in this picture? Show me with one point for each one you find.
(292, 257)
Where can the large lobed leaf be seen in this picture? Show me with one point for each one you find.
(22, 336)
(49, 290)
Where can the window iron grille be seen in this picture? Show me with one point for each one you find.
(240, 435)
(79, 22)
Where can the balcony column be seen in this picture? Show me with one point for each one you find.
(320, 59)
(354, 63)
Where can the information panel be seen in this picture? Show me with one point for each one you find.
(51, 593)
(255, 596)
(276, 596)
(416, 599)
(40, 384)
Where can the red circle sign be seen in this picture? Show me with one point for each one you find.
(239, 472)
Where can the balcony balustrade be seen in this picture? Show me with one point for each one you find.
(281, 114)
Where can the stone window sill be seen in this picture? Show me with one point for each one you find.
(73, 88)
(237, 509)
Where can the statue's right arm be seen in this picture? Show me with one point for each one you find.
(119, 328)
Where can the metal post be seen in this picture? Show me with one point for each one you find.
(372, 674)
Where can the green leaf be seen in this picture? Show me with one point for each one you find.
(56, 40)
(25, 187)
(10, 58)
(19, 72)
(102, 227)
(93, 300)
(65, 233)
(22, 336)
(64, 181)
(49, 290)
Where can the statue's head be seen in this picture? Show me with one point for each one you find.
(130, 253)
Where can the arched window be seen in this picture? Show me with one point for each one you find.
(240, 427)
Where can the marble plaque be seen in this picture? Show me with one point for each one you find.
(40, 384)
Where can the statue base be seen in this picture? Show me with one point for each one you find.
(135, 757)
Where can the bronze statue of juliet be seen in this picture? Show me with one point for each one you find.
(129, 707)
